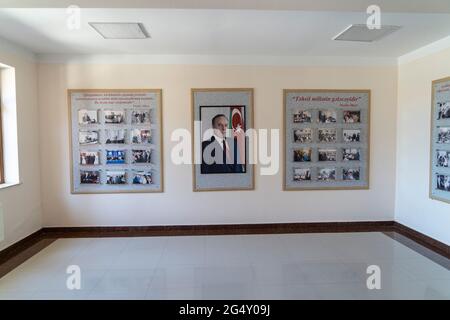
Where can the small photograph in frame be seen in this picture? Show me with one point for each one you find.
(115, 136)
(443, 110)
(353, 116)
(116, 177)
(443, 158)
(141, 136)
(351, 154)
(140, 117)
(443, 182)
(114, 116)
(326, 174)
(302, 155)
(302, 116)
(90, 176)
(87, 117)
(141, 156)
(115, 156)
(327, 116)
(351, 135)
(327, 135)
(351, 174)
(88, 137)
(302, 174)
(303, 135)
(443, 135)
(327, 154)
(142, 177)
(89, 158)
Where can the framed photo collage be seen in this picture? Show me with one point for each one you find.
(440, 141)
(326, 139)
(116, 141)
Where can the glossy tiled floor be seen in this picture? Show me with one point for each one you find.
(294, 266)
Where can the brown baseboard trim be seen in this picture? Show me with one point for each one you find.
(223, 229)
(21, 256)
(19, 252)
(20, 246)
(426, 241)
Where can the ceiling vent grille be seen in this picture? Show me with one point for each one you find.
(120, 30)
(361, 33)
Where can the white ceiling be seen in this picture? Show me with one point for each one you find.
(420, 6)
(220, 32)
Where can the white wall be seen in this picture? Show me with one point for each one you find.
(414, 208)
(21, 204)
(399, 139)
(178, 204)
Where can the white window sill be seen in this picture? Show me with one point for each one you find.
(9, 185)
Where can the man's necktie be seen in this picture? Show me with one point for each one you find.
(224, 148)
(226, 152)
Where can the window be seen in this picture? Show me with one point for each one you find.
(9, 151)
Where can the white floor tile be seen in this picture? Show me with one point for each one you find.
(16, 295)
(125, 280)
(60, 295)
(184, 251)
(424, 269)
(177, 276)
(137, 259)
(310, 273)
(120, 295)
(291, 266)
(226, 251)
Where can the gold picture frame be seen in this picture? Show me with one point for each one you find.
(283, 156)
(158, 92)
(250, 91)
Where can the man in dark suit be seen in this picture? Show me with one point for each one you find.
(217, 155)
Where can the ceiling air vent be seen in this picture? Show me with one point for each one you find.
(120, 30)
(360, 32)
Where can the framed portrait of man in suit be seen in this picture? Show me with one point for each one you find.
(220, 141)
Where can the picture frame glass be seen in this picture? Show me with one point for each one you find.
(116, 140)
(440, 141)
(326, 139)
(221, 118)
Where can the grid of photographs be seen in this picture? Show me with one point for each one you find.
(115, 145)
(440, 141)
(326, 142)
(113, 148)
(330, 138)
